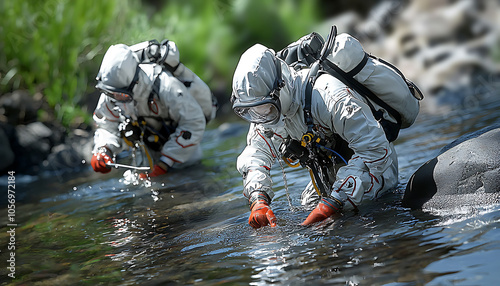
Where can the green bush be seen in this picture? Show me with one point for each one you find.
(52, 46)
(211, 35)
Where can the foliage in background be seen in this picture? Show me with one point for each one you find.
(50, 46)
(55, 46)
(211, 35)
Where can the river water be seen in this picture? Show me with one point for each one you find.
(191, 227)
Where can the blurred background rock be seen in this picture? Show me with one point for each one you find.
(50, 52)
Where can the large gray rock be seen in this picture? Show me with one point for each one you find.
(467, 172)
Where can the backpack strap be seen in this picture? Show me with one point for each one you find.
(359, 67)
(389, 65)
(163, 59)
(155, 89)
(391, 129)
(361, 89)
(313, 74)
(415, 91)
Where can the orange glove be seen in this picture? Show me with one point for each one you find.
(159, 169)
(325, 208)
(100, 160)
(261, 214)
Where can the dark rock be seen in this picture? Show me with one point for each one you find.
(9, 147)
(38, 147)
(35, 143)
(19, 107)
(6, 154)
(74, 153)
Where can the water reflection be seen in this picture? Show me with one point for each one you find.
(192, 227)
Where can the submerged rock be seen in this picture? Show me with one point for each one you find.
(467, 172)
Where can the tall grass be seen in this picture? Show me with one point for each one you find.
(52, 46)
(55, 46)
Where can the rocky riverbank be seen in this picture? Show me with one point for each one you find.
(450, 49)
(29, 146)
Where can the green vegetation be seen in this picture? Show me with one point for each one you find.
(55, 46)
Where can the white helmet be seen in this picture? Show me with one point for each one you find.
(118, 73)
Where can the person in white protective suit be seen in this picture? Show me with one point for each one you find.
(170, 121)
(270, 95)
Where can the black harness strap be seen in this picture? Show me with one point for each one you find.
(164, 58)
(359, 67)
(170, 68)
(391, 129)
(312, 75)
(307, 105)
(334, 70)
(389, 65)
(155, 89)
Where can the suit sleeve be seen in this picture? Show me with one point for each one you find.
(256, 160)
(107, 120)
(373, 156)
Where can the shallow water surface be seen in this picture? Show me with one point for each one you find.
(191, 227)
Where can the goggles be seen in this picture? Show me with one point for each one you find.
(261, 110)
(266, 111)
(120, 96)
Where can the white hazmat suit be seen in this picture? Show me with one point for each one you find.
(173, 105)
(336, 109)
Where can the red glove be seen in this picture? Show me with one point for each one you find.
(100, 160)
(159, 169)
(325, 208)
(261, 215)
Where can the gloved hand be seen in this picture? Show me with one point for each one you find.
(261, 214)
(159, 169)
(325, 208)
(100, 159)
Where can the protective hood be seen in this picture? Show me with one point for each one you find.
(256, 74)
(118, 67)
